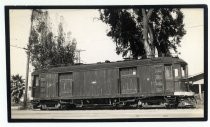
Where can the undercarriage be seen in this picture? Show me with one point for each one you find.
(118, 103)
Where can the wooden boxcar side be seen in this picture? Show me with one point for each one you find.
(119, 79)
(145, 81)
(99, 83)
(129, 83)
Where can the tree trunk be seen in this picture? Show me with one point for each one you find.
(151, 41)
(159, 52)
(149, 48)
(145, 34)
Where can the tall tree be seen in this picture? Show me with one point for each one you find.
(45, 50)
(141, 30)
(65, 48)
(17, 87)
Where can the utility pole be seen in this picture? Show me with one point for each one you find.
(79, 58)
(27, 64)
(26, 83)
(27, 71)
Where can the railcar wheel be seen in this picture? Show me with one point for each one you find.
(194, 102)
(43, 107)
(69, 107)
(34, 106)
(139, 104)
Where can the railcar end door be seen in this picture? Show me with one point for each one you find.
(169, 78)
(35, 86)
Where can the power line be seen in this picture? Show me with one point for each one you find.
(18, 47)
(78, 57)
(194, 26)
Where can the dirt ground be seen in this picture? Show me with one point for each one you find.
(107, 114)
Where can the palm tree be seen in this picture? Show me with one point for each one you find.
(17, 87)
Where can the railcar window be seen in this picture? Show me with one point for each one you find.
(183, 71)
(168, 72)
(176, 73)
(36, 81)
(128, 71)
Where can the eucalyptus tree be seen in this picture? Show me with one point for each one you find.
(141, 31)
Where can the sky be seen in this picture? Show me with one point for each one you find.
(90, 34)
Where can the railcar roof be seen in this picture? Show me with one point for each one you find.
(119, 64)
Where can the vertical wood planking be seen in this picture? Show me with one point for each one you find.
(43, 85)
(65, 84)
(159, 80)
(145, 79)
(99, 83)
(51, 85)
(78, 84)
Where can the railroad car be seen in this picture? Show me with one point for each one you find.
(156, 82)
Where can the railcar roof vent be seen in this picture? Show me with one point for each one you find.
(51, 66)
(175, 56)
(78, 63)
(127, 58)
(107, 61)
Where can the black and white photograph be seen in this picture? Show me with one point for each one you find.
(106, 63)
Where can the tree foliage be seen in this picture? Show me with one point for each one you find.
(45, 48)
(17, 87)
(133, 29)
